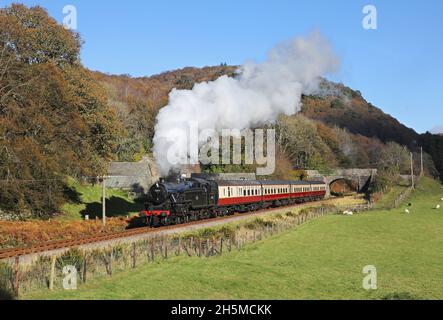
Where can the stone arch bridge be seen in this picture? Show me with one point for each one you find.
(360, 177)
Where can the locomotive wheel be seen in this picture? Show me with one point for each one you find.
(155, 222)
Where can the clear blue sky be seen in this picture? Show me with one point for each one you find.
(397, 67)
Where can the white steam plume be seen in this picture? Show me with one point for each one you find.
(258, 94)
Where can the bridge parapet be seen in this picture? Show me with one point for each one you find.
(362, 177)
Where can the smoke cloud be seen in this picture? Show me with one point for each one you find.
(258, 94)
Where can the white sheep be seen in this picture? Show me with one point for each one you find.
(350, 213)
(441, 199)
(407, 211)
(437, 207)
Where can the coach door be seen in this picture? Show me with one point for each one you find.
(212, 193)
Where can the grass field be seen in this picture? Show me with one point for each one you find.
(322, 259)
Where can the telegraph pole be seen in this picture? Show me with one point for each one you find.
(422, 164)
(104, 201)
(412, 171)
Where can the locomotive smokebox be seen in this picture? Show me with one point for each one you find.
(158, 194)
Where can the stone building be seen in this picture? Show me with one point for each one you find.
(136, 177)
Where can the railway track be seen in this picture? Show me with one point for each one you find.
(65, 244)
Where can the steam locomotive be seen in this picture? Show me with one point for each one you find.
(183, 200)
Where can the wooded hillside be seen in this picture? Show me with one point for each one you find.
(58, 119)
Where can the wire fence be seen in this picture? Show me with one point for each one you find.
(77, 266)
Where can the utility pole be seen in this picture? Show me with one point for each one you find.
(412, 171)
(104, 201)
(422, 164)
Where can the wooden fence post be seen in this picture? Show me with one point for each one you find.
(110, 262)
(179, 245)
(192, 244)
(85, 268)
(148, 250)
(134, 257)
(51, 278)
(221, 245)
(17, 276)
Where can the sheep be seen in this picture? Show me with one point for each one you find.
(350, 213)
(441, 199)
(437, 206)
(407, 211)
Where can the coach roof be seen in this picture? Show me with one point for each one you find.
(239, 183)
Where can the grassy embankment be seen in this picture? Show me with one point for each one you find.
(388, 199)
(86, 199)
(322, 259)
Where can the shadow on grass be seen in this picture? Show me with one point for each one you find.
(5, 294)
(72, 195)
(115, 207)
(400, 296)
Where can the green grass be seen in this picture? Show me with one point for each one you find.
(86, 199)
(388, 199)
(322, 259)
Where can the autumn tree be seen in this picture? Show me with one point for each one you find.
(299, 140)
(54, 118)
